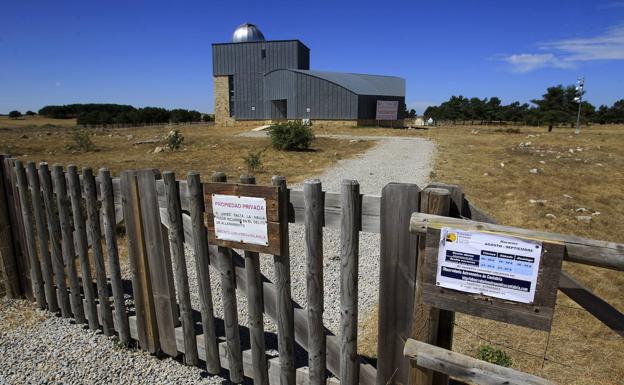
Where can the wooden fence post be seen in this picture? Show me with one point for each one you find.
(446, 317)
(425, 325)
(95, 234)
(285, 311)
(67, 234)
(160, 266)
(80, 235)
(176, 240)
(35, 269)
(255, 300)
(42, 236)
(8, 263)
(230, 310)
(147, 329)
(349, 256)
(397, 280)
(19, 237)
(202, 264)
(109, 222)
(314, 209)
(54, 232)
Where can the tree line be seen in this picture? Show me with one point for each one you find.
(556, 106)
(97, 114)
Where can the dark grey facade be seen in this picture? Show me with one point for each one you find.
(271, 80)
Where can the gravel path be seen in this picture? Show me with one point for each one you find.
(53, 350)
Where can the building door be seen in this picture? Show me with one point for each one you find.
(279, 109)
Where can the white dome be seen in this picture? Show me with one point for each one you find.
(247, 32)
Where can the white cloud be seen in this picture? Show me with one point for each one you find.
(526, 62)
(567, 52)
(609, 46)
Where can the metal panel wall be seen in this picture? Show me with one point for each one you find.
(246, 63)
(367, 105)
(325, 100)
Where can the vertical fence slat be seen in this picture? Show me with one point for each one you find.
(35, 269)
(425, 325)
(109, 223)
(19, 237)
(94, 231)
(160, 267)
(230, 309)
(8, 263)
(42, 237)
(69, 253)
(54, 233)
(80, 235)
(202, 264)
(285, 312)
(255, 300)
(313, 224)
(349, 257)
(397, 277)
(176, 238)
(141, 282)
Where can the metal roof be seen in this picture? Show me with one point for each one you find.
(247, 32)
(362, 84)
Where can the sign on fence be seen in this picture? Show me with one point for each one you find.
(488, 264)
(243, 216)
(387, 110)
(240, 219)
(493, 276)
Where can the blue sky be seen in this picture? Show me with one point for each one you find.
(158, 53)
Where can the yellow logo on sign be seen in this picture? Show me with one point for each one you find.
(451, 237)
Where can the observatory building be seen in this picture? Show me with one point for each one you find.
(260, 81)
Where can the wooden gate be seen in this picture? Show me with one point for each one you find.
(54, 220)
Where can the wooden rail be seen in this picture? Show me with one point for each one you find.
(465, 368)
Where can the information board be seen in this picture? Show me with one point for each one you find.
(488, 264)
(240, 219)
(387, 110)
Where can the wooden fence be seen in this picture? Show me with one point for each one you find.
(57, 225)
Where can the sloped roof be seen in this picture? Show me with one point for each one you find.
(362, 84)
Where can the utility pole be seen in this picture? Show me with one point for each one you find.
(580, 84)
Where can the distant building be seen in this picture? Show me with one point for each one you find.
(259, 81)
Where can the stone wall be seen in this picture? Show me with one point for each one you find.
(222, 102)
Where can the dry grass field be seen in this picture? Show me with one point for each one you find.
(576, 176)
(205, 149)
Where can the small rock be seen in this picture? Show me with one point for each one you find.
(542, 162)
(502, 164)
(24, 136)
(599, 164)
(551, 216)
(533, 171)
(485, 174)
(596, 213)
(159, 149)
(538, 201)
(567, 196)
(581, 210)
(584, 218)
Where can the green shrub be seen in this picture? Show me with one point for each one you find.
(493, 356)
(174, 140)
(82, 141)
(291, 136)
(253, 161)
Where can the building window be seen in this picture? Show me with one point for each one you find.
(231, 94)
(263, 53)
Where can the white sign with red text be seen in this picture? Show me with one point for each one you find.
(240, 219)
